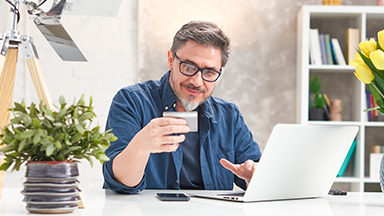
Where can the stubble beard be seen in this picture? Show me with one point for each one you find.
(188, 104)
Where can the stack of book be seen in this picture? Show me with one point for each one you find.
(325, 50)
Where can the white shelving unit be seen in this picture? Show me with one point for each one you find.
(335, 20)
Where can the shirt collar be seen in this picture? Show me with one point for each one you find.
(169, 99)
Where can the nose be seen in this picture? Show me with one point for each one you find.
(197, 79)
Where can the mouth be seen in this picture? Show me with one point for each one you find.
(195, 91)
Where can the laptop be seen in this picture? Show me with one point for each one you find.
(299, 161)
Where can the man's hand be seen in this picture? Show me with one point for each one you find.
(160, 135)
(157, 136)
(244, 171)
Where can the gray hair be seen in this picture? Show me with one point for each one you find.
(205, 33)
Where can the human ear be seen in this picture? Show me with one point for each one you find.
(170, 59)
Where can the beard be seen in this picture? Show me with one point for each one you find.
(188, 104)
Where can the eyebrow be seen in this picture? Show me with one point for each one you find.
(192, 62)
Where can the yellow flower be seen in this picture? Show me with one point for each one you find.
(377, 58)
(358, 60)
(364, 74)
(380, 37)
(368, 46)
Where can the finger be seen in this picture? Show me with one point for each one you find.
(172, 139)
(173, 129)
(164, 121)
(168, 147)
(228, 165)
(249, 165)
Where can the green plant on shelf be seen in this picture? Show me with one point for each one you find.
(318, 98)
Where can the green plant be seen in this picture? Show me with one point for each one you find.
(318, 98)
(40, 134)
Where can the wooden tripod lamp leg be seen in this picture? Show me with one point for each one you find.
(2, 61)
(39, 81)
(7, 83)
(36, 71)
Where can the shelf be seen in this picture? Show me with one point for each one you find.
(356, 180)
(348, 179)
(335, 123)
(370, 180)
(374, 124)
(331, 68)
(339, 82)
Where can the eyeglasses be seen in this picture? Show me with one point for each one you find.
(190, 70)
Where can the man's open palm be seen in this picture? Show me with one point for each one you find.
(244, 171)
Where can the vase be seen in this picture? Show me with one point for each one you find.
(382, 174)
(316, 113)
(336, 110)
(51, 187)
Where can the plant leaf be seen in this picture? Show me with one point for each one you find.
(61, 100)
(21, 145)
(36, 138)
(36, 123)
(49, 150)
(103, 157)
(27, 134)
(79, 128)
(379, 100)
(86, 115)
(20, 108)
(76, 137)
(58, 144)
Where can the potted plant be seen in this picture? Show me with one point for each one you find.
(318, 106)
(51, 143)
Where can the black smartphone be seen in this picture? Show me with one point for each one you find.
(172, 197)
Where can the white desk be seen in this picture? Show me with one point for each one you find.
(100, 202)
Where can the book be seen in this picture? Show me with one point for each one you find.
(314, 47)
(352, 38)
(347, 159)
(339, 53)
(334, 57)
(327, 42)
(322, 49)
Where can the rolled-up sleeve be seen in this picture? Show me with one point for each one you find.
(124, 122)
(111, 183)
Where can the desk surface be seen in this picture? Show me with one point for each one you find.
(100, 202)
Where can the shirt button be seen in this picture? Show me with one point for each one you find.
(174, 105)
(166, 108)
(177, 181)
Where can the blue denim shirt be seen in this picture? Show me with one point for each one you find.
(222, 134)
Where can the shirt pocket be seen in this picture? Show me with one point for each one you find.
(225, 178)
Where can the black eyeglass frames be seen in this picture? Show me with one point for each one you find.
(189, 69)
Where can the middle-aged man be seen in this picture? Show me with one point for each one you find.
(156, 152)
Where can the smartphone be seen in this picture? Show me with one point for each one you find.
(172, 197)
(190, 117)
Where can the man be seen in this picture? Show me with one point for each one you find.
(158, 152)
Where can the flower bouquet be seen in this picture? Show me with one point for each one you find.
(369, 65)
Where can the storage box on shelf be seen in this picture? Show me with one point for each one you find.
(339, 82)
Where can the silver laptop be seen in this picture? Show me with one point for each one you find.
(299, 161)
